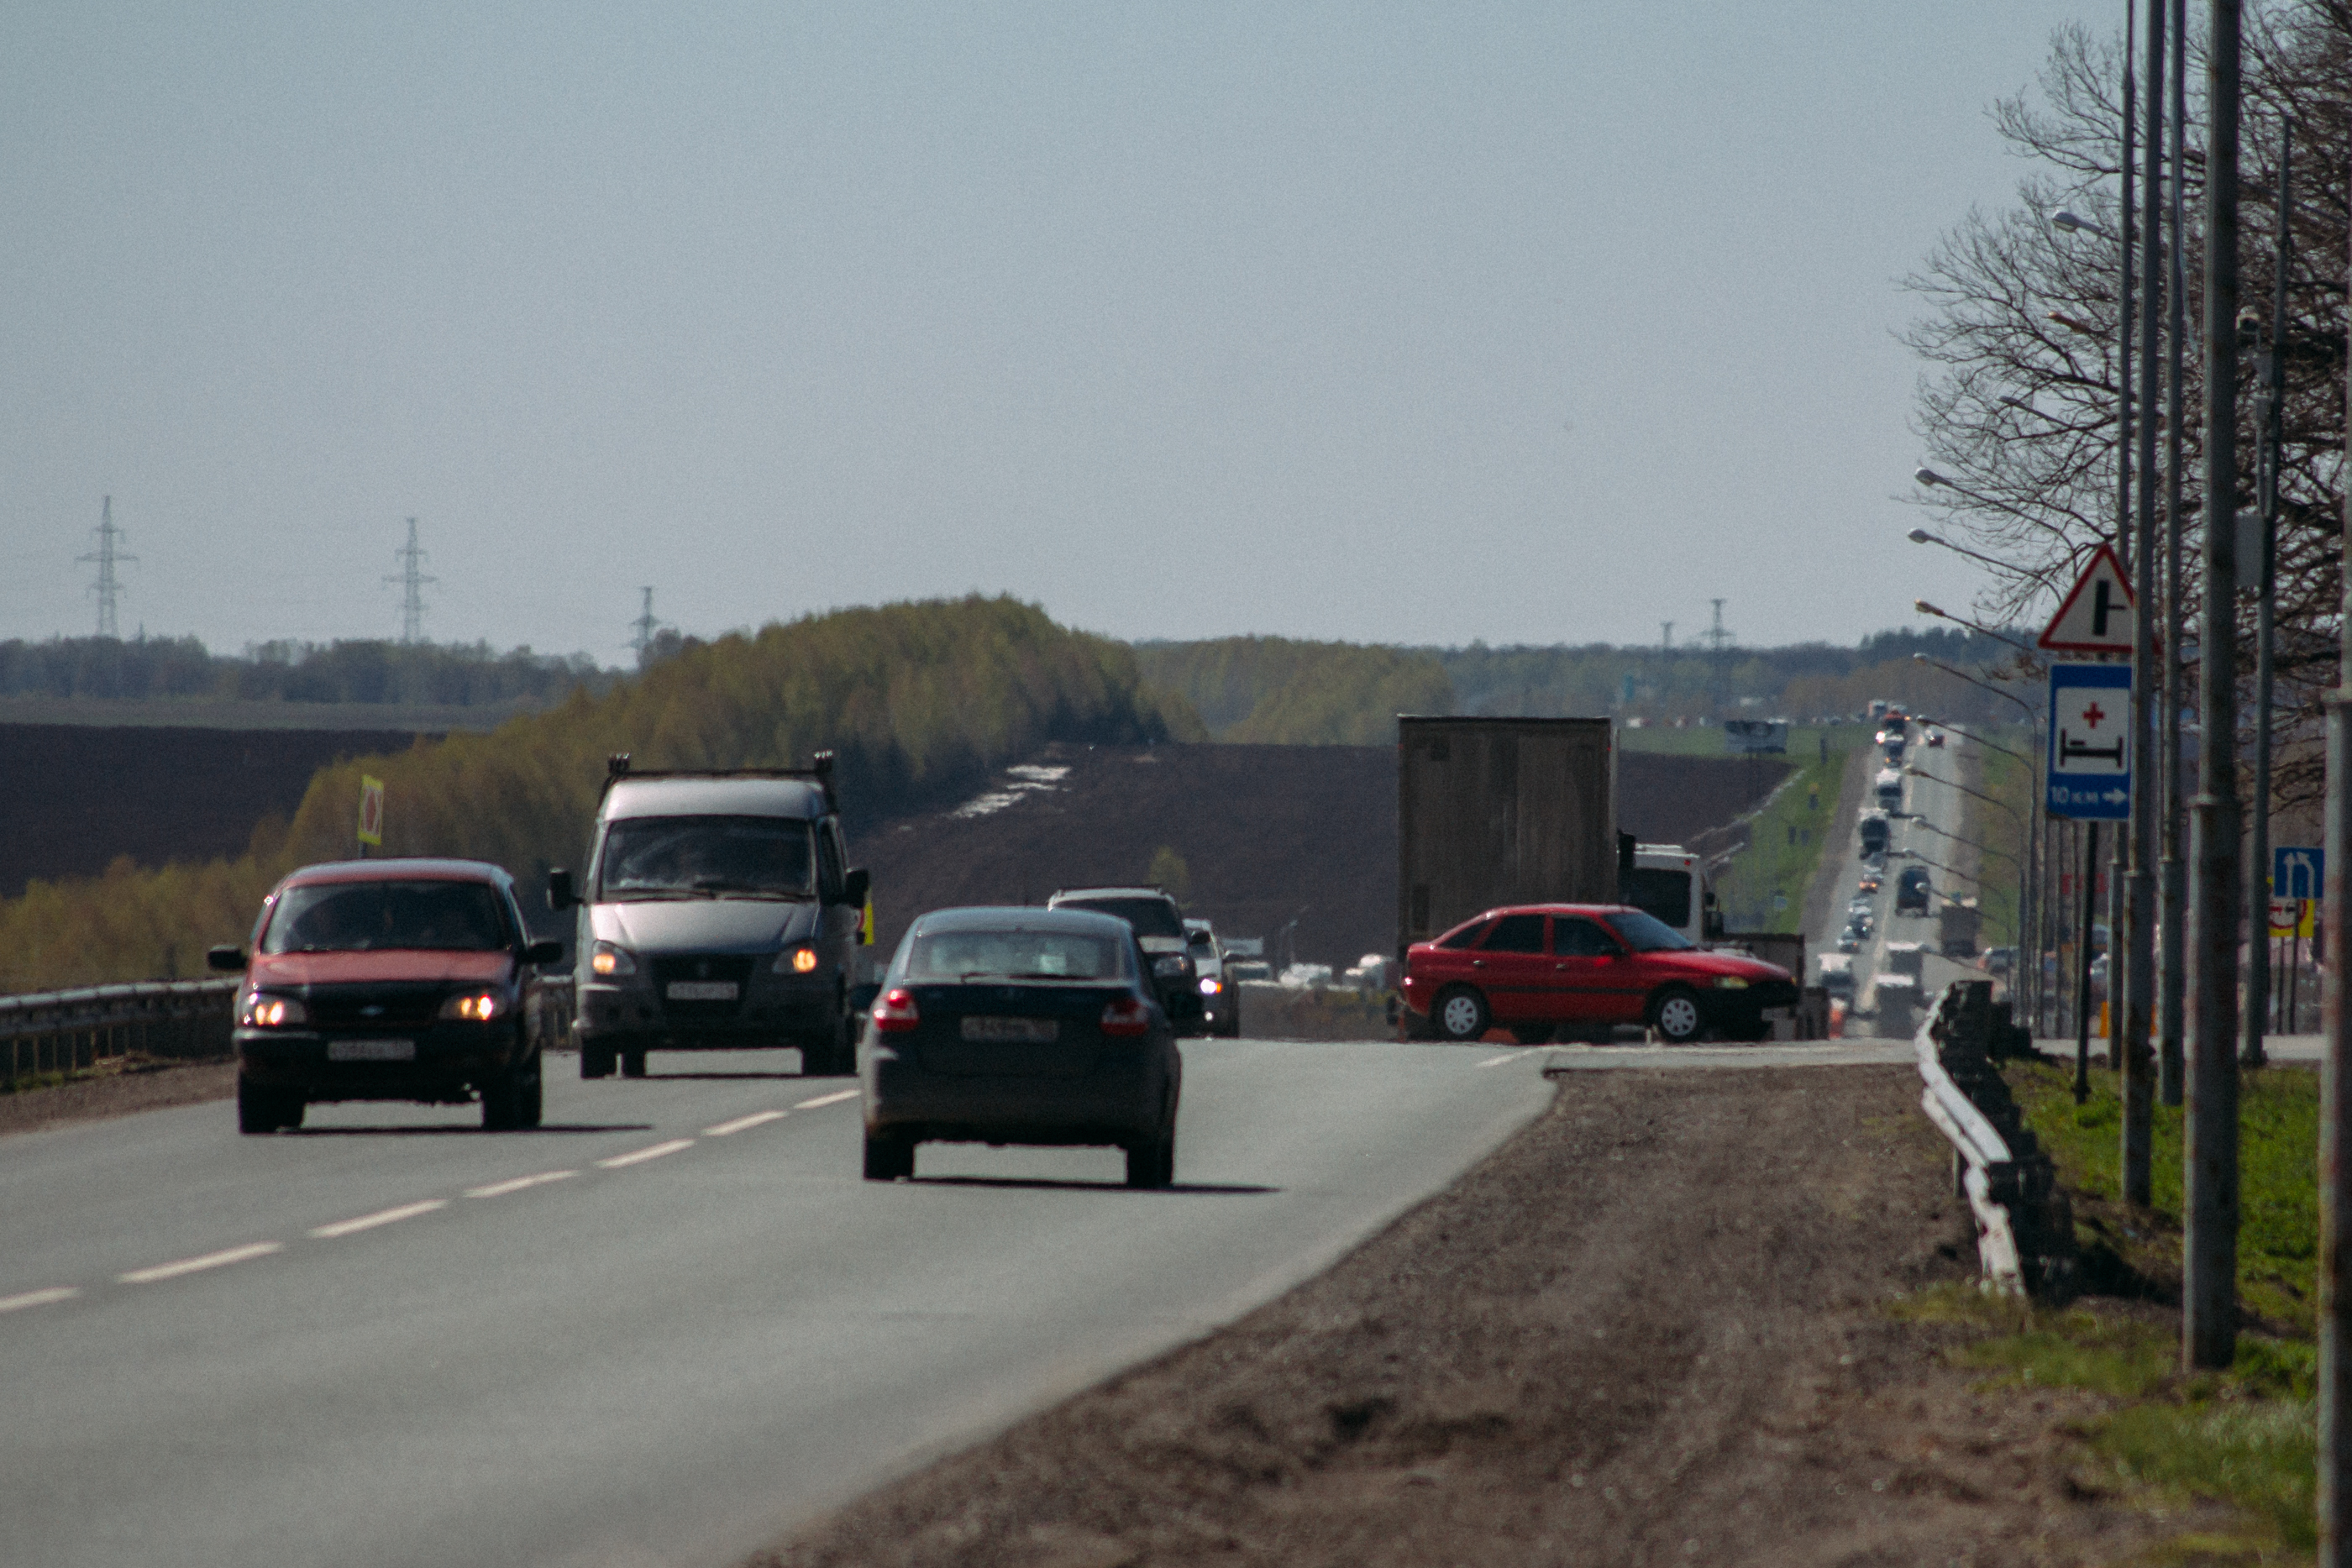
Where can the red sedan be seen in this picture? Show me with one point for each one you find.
(1582, 969)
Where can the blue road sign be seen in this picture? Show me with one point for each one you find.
(2297, 871)
(2089, 777)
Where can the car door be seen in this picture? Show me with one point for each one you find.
(1512, 967)
(1591, 974)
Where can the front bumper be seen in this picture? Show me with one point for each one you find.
(631, 1015)
(452, 1061)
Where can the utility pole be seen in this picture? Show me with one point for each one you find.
(2174, 889)
(412, 579)
(1666, 641)
(2209, 1328)
(644, 626)
(2134, 939)
(2270, 403)
(106, 558)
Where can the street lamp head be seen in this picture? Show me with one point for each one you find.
(2068, 220)
(1929, 478)
(1924, 608)
(1921, 537)
(1921, 659)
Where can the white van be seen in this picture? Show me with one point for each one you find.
(1670, 884)
(1889, 784)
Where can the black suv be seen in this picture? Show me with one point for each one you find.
(1159, 931)
(1911, 891)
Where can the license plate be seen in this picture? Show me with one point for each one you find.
(371, 1051)
(701, 991)
(1012, 1032)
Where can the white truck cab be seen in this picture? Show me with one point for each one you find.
(1670, 884)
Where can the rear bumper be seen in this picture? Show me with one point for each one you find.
(453, 1061)
(1119, 1101)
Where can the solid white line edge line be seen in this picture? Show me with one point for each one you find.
(1499, 1061)
(515, 1184)
(382, 1217)
(742, 1124)
(222, 1259)
(651, 1151)
(53, 1294)
(826, 1100)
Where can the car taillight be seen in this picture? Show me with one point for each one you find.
(896, 1012)
(1125, 1015)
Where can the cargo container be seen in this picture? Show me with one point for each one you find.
(1502, 810)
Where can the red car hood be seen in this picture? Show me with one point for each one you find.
(360, 968)
(1699, 962)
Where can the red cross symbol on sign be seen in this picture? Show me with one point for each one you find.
(2092, 714)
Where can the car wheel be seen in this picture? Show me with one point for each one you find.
(889, 1156)
(1531, 1033)
(633, 1064)
(1675, 1016)
(1152, 1163)
(260, 1110)
(595, 1061)
(1460, 1015)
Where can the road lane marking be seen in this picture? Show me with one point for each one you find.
(826, 1100)
(1499, 1061)
(382, 1217)
(220, 1260)
(515, 1184)
(49, 1297)
(741, 1123)
(652, 1152)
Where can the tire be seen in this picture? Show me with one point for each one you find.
(633, 1064)
(889, 1156)
(1151, 1164)
(1674, 1014)
(595, 1060)
(260, 1110)
(514, 1104)
(1531, 1033)
(830, 1057)
(1461, 1016)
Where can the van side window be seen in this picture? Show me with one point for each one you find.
(828, 864)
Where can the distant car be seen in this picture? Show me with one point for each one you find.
(1875, 831)
(1871, 880)
(1936, 738)
(1539, 968)
(1998, 960)
(1159, 930)
(1849, 940)
(1220, 997)
(387, 979)
(1020, 1026)
(1912, 890)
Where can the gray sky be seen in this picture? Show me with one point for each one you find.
(1528, 322)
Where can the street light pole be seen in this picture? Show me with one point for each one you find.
(2335, 1106)
(2173, 889)
(2269, 396)
(2208, 1325)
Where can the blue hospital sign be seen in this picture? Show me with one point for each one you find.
(2090, 742)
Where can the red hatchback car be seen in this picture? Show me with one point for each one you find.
(1581, 969)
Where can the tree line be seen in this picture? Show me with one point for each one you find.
(365, 670)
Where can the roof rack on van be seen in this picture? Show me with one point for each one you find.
(819, 768)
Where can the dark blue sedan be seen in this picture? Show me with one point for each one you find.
(1020, 1026)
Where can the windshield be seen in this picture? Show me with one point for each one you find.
(1648, 934)
(371, 917)
(1663, 892)
(1012, 954)
(1150, 916)
(709, 857)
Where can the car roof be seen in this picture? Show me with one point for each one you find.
(416, 868)
(1022, 917)
(686, 795)
(1063, 892)
(1555, 909)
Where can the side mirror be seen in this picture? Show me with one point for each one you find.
(546, 952)
(228, 960)
(560, 894)
(856, 885)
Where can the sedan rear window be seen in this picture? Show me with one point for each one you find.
(373, 917)
(1013, 955)
(1150, 916)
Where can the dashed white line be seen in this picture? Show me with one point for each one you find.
(382, 1217)
(741, 1123)
(515, 1184)
(49, 1297)
(1499, 1061)
(826, 1100)
(220, 1260)
(651, 1151)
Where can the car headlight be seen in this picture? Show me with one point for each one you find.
(1174, 964)
(1729, 983)
(1210, 988)
(264, 1011)
(799, 960)
(611, 958)
(474, 1007)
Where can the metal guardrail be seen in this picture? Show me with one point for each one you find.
(2025, 1230)
(70, 1031)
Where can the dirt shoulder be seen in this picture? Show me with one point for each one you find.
(117, 1093)
(1653, 1328)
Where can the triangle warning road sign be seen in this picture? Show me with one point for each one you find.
(2096, 617)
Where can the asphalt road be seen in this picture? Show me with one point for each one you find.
(660, 1329)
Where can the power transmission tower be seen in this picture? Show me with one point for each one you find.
(107, 588)
(412, 579)
(1718, 652)
(644, 626)
(1666, 641)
